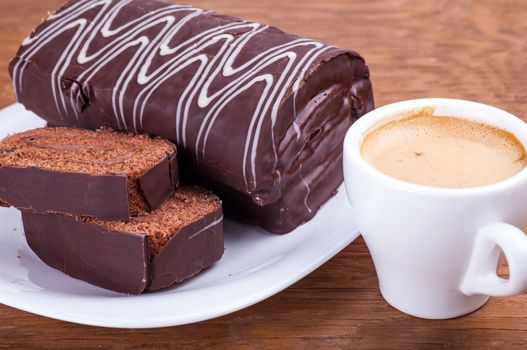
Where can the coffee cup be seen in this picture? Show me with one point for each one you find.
(436, 249)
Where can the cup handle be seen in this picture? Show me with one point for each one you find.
(481, 277)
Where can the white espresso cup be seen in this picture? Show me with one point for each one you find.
(436, 250)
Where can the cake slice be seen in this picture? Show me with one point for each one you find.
(103, 174)
(151, 251)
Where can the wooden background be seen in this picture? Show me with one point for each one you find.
(466, 49)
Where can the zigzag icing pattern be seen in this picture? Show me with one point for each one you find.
(140, 70)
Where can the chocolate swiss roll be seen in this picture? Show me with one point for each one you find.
(258, 115)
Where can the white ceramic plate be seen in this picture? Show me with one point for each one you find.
(255, 266)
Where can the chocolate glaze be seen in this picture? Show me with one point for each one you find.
(108, 259)
(105, 197)
(121, 261)
(159, 182)
(261, 112)
(194, 248)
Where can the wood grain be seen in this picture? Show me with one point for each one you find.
(465, 49)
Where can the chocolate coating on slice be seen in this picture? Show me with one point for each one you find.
(194, 248)
(158, 183)
(247, 104)
(121, 261)
(108, 259)
(43, 191)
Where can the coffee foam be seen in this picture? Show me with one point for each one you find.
(443, 151)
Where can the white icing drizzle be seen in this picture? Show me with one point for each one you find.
(212, 224)
(129, 37)
(308, 190)
(297, 130)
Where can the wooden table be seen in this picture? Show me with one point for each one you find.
(467, 49)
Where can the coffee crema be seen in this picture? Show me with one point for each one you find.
(443, 151)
